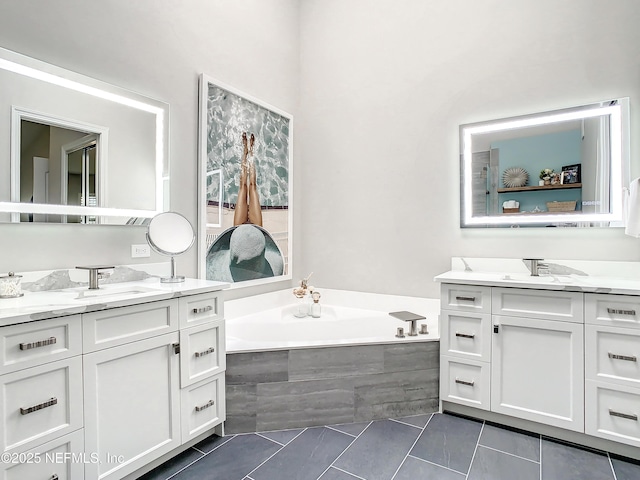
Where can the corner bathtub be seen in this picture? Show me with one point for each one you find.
(267, 322)
(346, 366)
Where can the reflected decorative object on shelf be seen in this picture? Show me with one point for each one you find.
(515, 177)
(568, 206)
(571, 174)
(545, 175)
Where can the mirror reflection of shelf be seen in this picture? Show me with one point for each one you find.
(542, 187)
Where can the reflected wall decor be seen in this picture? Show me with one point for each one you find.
(245, 217)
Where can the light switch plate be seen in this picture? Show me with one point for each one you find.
(139, 251)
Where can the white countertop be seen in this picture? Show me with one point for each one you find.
(572, 282)
(55, 303)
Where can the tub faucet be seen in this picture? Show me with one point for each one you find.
(535, 265)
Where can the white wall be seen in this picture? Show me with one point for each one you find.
(157, 48)
(385, 85)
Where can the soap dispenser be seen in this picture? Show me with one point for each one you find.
(315, 306)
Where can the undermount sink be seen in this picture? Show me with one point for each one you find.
(109, 291)
(520, 277)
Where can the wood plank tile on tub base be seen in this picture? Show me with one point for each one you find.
(330, 385)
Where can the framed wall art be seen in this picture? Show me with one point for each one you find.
(245, 187)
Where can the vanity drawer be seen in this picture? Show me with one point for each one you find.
(542, 304)
(40, 403)
(30, 344)
(466, 335)
(613, 412)
(198, 309)
(465, 298)
(202, 352)
(49, 461)
(467, 382)
(117, 326)
(612, 354)
(614, 310)
(203, 406)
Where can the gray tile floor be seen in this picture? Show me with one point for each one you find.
(438, 447)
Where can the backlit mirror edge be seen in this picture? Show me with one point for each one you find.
(620, 177)
(38, 69)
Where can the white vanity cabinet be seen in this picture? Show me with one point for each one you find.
(537, 356)
(514, 351)
(612, 370)
(117, 389)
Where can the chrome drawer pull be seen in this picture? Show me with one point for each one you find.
(210, 403)
(208, 308)
(466, 299)
(465, 335)
(41, 343)
(621, 312)
(613, 413)
(464, 382)
(628, 358)
(206, 352)
(35, 408)
(54, 477)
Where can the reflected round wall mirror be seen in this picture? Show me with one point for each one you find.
(562, 168)
(170, 234)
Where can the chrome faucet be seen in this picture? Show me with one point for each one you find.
(95, 274)
(535, 265)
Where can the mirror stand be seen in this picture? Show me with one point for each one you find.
(173, 278)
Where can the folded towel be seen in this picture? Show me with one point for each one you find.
(633, 209)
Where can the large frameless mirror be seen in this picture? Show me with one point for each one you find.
(565, 168)
(78, 150)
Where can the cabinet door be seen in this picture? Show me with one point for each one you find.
(132, 399)
(537, 371)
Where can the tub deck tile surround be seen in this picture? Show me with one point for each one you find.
(303, 404)
(330, 385)
(257, 367)
(316, 363)
(242, 407)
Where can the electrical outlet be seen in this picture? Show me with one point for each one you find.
(142, 250)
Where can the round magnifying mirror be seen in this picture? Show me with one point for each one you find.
(170, 234)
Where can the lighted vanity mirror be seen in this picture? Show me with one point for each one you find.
(563, 168)
(78, 150)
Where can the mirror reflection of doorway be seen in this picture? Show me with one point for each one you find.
(80, 175)
(73, 169)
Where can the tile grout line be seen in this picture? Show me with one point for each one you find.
(200, 458)
(613, 470)
(437, 465)
(408, 424)
(507, 453)
(343, 471)
(342, 453)
(274, 453)
(271, 439)
(340, 431)
(475, 451)
(411, 447)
